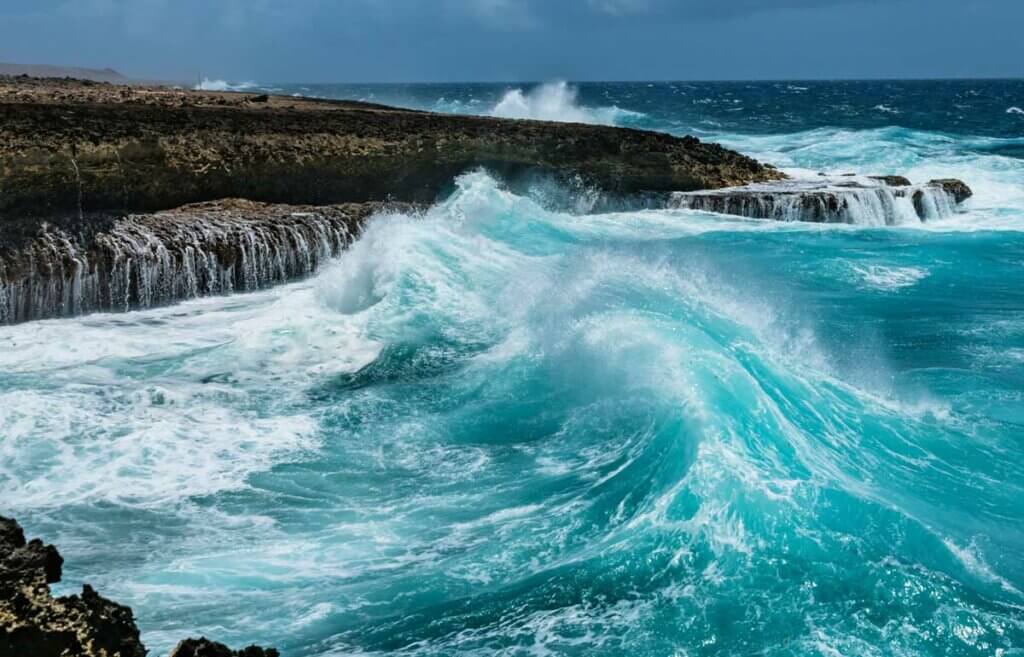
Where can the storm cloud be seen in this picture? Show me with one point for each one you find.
(412, 40)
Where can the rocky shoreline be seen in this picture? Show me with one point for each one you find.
(99, 184)
(72, 147)
(106, 262)
(35, 623)
(116, 198)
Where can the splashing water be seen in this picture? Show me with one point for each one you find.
(556, 101)
(223, 85)
(500, 429)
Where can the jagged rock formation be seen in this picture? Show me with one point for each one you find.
(206, 648)
(141, 261)
(72, 148)
(33, 623)
(875, 200)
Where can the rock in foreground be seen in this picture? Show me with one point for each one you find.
(33, 623)
(206, 648)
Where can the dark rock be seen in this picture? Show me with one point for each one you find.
(892, 181)
(262, 98)
(104, 263)
(841, 200)
(19, 557)
(33, 623)
(957, 188)
(205, 648)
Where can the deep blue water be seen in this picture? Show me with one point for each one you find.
(503, 429)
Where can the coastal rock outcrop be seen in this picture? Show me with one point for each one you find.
(205, 648)
(69, 148)
(873, 200)
(105, 263)
(34, 623)
(958, 189)
(119, 198)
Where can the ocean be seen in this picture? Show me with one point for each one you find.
(511, 428)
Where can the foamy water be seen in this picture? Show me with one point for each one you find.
(500, 428)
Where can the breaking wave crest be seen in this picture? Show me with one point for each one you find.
(557, 101)
(223, 85)
(498, 428)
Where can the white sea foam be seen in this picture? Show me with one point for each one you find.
(174, 406)
(883, 277)
(996, 180)
(1015, 110)
(556, 101)
(223, 85)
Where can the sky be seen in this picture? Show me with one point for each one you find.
(519, 40)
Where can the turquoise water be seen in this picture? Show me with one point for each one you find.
(505, 429)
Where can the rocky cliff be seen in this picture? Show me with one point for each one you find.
(70, 147)
(117, 198)
(106, 262)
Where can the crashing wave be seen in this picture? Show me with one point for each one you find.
(223, 85)
(557, 101)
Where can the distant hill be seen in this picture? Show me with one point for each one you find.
(48, 71)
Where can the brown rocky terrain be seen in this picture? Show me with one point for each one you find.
(75, 146)
(98, 183)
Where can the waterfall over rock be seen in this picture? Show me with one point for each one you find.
(869, 201)
(146, 260)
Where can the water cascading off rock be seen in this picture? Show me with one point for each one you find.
(143, 261)
(868, 201)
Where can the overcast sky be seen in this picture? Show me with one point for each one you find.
(519, 40)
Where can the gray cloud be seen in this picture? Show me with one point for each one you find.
(518, 39)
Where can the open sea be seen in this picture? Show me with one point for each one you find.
(505, 428)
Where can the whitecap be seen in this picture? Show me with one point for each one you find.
(223, 85)
(882, 277)
(557, 101)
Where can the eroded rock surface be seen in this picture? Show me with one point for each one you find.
(108, 263)
(871, 200)
(67, 147)
(34, 623)
(205, 648)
